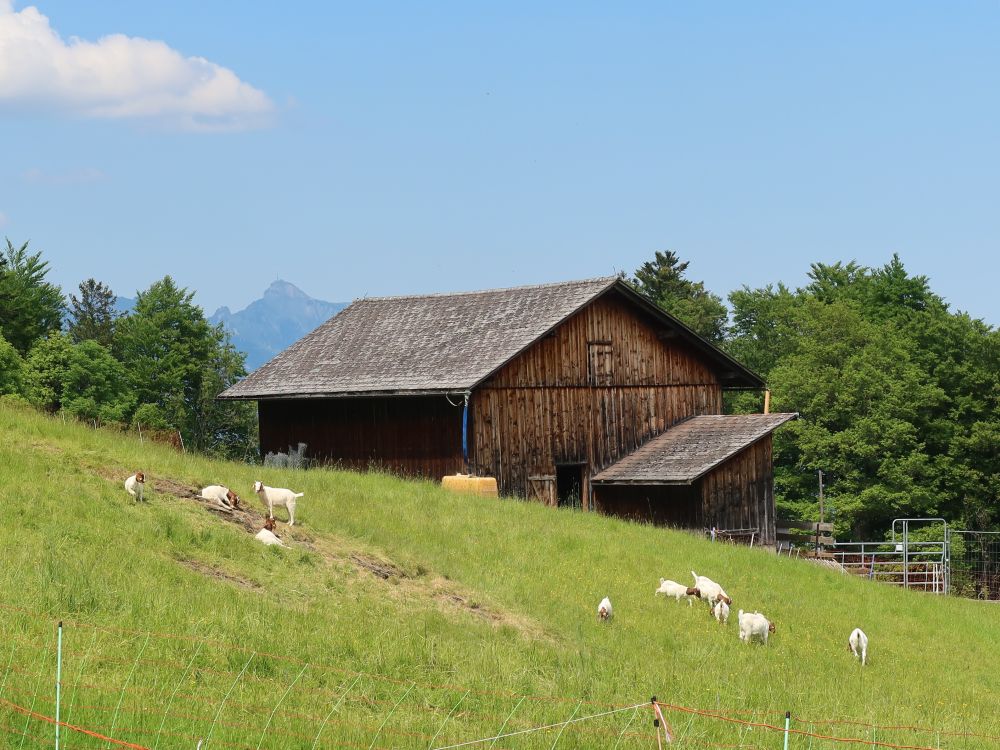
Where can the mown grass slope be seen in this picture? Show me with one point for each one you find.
(403, 616)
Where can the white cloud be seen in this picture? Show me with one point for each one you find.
(82, 176)
(119, 77)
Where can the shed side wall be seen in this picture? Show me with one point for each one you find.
(739, 494)
(411, 436)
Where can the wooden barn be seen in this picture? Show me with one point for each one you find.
(580, 393)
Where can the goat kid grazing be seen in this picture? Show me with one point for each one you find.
(711, 592)
(754, 625)
(859, 642)
(676, 590)
(134, 485)
(604, 611)
(222, 495)
(271, 496)
(721, 611)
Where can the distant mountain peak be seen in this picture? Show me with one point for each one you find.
(268, 325)
(282, 288)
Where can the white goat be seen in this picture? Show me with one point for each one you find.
(754, 625)
(859, 640)
(604, 611)
(279, 496)
(676, 590)
(222, 495)
(721, 611)
(134, 485)
(267, 535)
(711, 592)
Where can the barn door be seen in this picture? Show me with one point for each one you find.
(542, 489)
(571, 486)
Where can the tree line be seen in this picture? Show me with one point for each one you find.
(898, 394)
(159, 366)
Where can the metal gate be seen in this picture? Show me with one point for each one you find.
(946, 561)
(921, 564)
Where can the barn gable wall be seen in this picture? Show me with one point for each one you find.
(592, 391)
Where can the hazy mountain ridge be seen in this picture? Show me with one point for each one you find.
(278, 319)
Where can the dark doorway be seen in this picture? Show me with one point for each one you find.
(569, 485)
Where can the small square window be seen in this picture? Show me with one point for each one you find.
(599, 363)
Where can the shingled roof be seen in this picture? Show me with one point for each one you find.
(691, 449)
(442, 343)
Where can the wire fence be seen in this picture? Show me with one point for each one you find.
(975, 564)
(160, 691)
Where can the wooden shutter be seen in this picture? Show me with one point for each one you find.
(599, 363)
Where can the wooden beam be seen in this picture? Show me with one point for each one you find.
(810, 526)
(810, 540)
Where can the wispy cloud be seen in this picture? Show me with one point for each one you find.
(119, 77)
(83, 176)
(3, 216)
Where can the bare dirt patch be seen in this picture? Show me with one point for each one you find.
(219, 574)
(50, 448)
(452, 599)
(250, 520)
(381, 568)
(442, 591)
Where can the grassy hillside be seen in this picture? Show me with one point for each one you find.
(452, 607)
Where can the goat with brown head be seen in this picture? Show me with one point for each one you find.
(604, 610)
(134, 485)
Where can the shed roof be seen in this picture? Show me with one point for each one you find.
(443, 342)
(689, 450)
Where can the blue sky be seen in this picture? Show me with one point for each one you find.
(375, 148)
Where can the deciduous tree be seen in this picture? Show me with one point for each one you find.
(899, 396)
(11, 369)
(178, 363)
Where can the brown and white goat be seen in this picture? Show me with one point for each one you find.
(134, 485)
(676, 590)
(222, 495)
(267, 535)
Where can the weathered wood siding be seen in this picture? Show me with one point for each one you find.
(739, 494)
(412, 436)
(591, 392)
